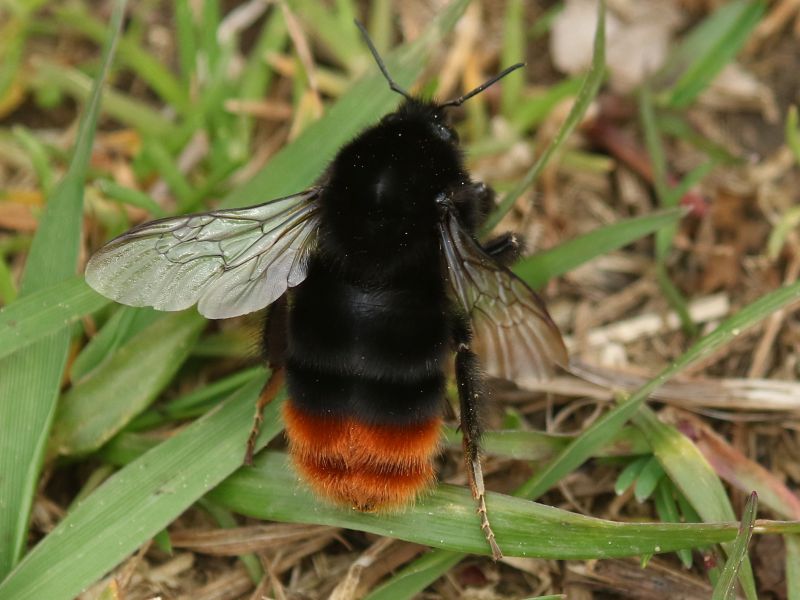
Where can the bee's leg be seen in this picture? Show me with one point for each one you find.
(473, 201)
(268, 393)
(472, 393)
(505, 248)
(485, 197)
(274, 352)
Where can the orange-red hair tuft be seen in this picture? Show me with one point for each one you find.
(367, 467)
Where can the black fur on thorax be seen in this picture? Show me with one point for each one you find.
(379, 203)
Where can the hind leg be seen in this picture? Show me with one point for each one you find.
(274, 351)
(472, 395)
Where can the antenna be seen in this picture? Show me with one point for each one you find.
(379, 60)
(461, 99)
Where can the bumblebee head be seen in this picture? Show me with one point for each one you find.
(420, 114)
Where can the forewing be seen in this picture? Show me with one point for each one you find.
(228, 262)
(513, 333)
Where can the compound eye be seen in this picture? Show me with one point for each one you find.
(445, 133)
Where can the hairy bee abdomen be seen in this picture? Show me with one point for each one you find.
(364, 466)
(366, 385)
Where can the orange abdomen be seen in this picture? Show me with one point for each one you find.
(362, 466)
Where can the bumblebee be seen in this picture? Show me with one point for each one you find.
(377, 281)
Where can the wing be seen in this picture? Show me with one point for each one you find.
(229, 262)
(514, 335)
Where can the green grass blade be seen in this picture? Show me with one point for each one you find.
(602, 430)
(647, 480)
(150, 69)
(13, 35)
(687, 468)
(238, 343)
(674, 296)
(667, 509)
(676, 125)
(627, 477)
(46, 311)
(130, 196)
(712, 45)
(187, 41)
(416, 576)
(691, 179)
(539, 445)
(788, 221)
(694, 477)
(538, 269)
(446, 519)
(96, 408)
(118, 105)
(533, 110)
(158, 157)
(125, 323)
(792, 132)
(210, 16)
(30, 378)
(379, 24)
(658, 160)
(257, 75)
(792, 566)
(725, 589)
(666, 198)
(655, 148)
(38, 156)
(139, 501)
(329, 30)
(791, 217)
(589, 89)
(195, 403)
(513, 52)
(126, 447)
(8, 289)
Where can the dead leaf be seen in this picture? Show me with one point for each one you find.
(638, 36)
